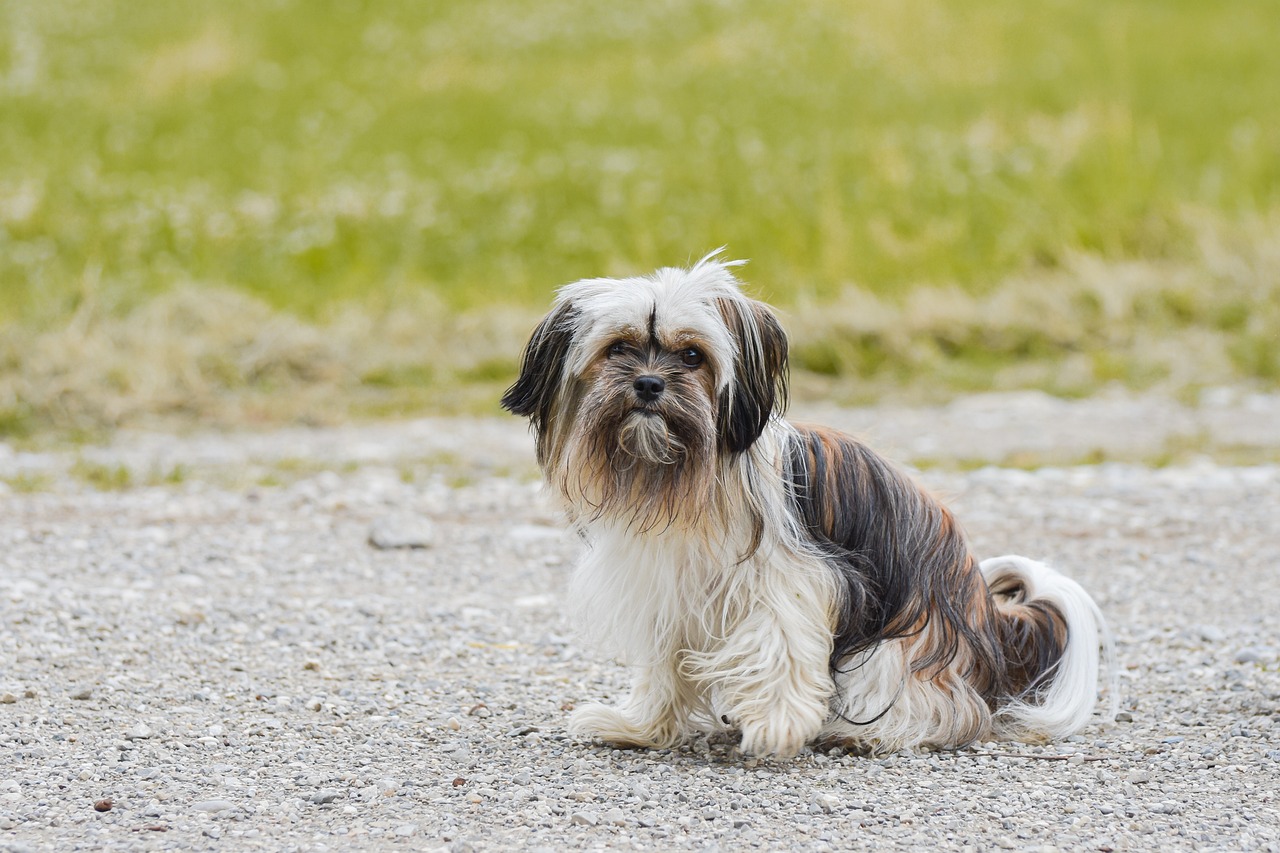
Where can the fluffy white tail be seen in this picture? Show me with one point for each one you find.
(1067, 694)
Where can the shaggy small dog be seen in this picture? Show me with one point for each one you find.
(781, 580)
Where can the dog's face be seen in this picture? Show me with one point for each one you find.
(637, 387)
(649, 395)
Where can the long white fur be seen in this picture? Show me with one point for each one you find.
(708, 633)
(883, 707)
(1068, 702)
(894, 709)
(711, 635)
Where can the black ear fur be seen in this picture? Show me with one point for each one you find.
(533, 393)
(759, 388)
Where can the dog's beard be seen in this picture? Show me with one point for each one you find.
(645, 436)
(649, 466)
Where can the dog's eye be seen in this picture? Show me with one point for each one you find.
(617, 348)
(692, 357)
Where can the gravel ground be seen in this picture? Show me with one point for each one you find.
(217, 656)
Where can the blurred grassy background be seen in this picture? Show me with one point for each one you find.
(280, 210)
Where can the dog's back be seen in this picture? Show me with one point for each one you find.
(929, 647)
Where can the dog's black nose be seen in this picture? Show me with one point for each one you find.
(649, 388)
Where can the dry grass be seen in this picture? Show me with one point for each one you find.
(1210, 318)
(218, 356)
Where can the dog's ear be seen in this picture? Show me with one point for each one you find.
(759, 386)
(541, 368)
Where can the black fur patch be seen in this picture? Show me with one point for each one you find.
(1033, 635)
(905, 565)
(759, 389)
(534, 393)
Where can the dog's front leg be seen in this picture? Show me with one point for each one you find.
(777, 684)
(653, 715)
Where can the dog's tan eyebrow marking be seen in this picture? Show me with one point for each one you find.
(633, 336)
(684, 339)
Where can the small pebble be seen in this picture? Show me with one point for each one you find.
(139, 732)
(1211, 633)
(391, 534)
(827, 802)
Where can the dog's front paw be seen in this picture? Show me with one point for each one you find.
(612, 725)
(779, 735)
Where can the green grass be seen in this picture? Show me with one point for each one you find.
(104, 478)
(351, 172)
(28, 483)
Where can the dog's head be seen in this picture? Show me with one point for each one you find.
(637, 387)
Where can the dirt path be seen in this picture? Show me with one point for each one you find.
(219, 651)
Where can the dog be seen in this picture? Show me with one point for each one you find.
(777, 580)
